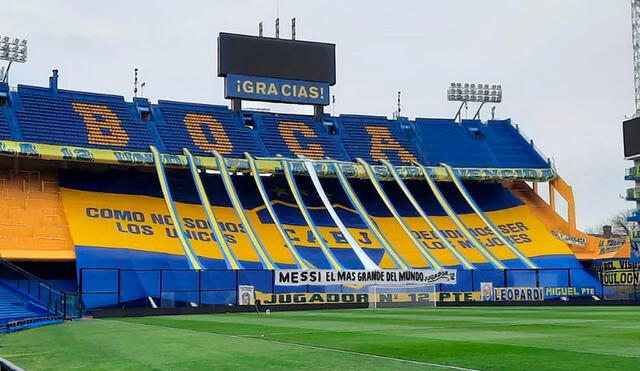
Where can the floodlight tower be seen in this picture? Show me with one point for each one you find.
(465, 93)
(634, 172)
(635, 33)
(12, 51)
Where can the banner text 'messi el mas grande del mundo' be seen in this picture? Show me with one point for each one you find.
(296, 277)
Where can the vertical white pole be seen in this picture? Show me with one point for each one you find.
(375, 297)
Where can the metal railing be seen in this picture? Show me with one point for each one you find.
(29, 322)
(54, 301)
(532, 143)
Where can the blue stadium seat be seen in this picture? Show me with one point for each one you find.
(297, 135)
(473, 144)
(202, 128)
(80, 119)
(447, 141)
(107, 121)
(15, 307)
(5, 133)
(509, 147)
(373, 138)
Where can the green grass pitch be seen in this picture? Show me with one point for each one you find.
(480, 338)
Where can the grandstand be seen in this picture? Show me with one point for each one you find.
(138, 233)
(177, 203)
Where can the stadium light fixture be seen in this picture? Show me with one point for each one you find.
(13, 51)
(459, 92)
(466, 92)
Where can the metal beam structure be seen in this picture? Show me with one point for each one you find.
(635, 37)
(635, 33)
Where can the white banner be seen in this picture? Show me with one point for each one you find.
(296, 277)
(578, 241)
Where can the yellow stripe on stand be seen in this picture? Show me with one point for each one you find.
(433, 262)
(366, 261)
(463, 190)
(397, 259)
(300, 262)
(192, 258)
(333, 261)
(229, 257)
(457, 221)
(459, 256)
(265, 259)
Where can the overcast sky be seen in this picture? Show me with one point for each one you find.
(565, 66)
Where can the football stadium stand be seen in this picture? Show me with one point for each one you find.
(375, 138)
(27, 301)
(79, 119)
(14, 307)
(297, 135)
(156, 202)
(4, 127)
(202, 129)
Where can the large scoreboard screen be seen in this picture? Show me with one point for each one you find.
(276, 58)
(631, 133)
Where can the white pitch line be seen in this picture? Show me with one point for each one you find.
(484, 326)
(9, 365)
(313, 347)
(367, 355)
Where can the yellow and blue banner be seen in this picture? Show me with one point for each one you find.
(119, 220)
(429, 258)
(229, 256)
(463, 191)
(192, 258)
